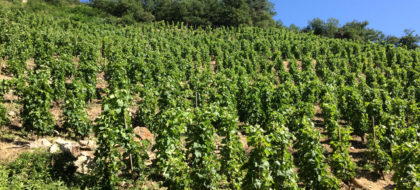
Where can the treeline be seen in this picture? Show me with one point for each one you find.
(192, 12)
(243, 12)
(217, 13)
(358, 31)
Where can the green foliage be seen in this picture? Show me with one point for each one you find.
(320, 27)
(232, 152)
(16, 65)
(381, 159)
(39, 170)
(170, 157)
(330, 113)
(341, 164)
(407, 165)
(200, 146)
(281, 160)
(62, 2)
(36, 102)
(76, 121)
(311, 161)
(354, 111)
(236, 12)
(146, 115)
(258, 174)
(356, 30)
(410, 40)
(3, 115)
(192, 12)
(128, 9)
(191, 84)
(257, 102)
(88, 68)
(61, 68)
(117, 149)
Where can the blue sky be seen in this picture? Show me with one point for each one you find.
(388, 16)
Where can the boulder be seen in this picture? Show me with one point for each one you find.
(68, 147)
(12, 113)
(40, 143)
(65, 146)
(60, 141)
(75, 149)
(144, 133)
(88, 144)
(55, 148)
(84, 163)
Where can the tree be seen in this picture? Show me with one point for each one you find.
(332, 26)
(261, 12)
(317, 26)
(279, 24)
(410, 40)
(236, 12)
(393, 40)
(198, 12)
(120, 8)
(356, 30)
(294, 28)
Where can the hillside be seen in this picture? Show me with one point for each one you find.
(166, 106)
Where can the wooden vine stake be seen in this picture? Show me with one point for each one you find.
(373, 129)
(339, 137)
(131, 158)
(196, 99)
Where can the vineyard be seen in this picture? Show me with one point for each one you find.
(229, 107)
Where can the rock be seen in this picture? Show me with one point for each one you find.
(84, 163)
(69, 147)
(12, 113)
(75, 149)
(357, 184)
(56, 132)
(55, 148)
(84, 142)
(88, 144)
(60, 141)
(45, 142)
(40, 143)
(65, 146)
(144, 133)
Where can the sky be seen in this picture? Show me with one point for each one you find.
(389, 16)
